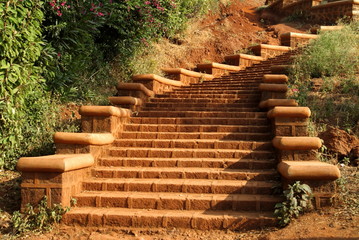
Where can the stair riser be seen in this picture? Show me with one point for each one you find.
(200, 121)
(195, 129)
(202, 114)
(112, 219)
(188, 153)
(230, 164)
(218, 87)
(201, 105)
(178, 203)
(184, 175)
(236, 102)
(219, 96)
(204, 91)
(180, 188)
(178, 107)
(173, 136)
(195, 144)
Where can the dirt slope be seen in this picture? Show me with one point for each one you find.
(233, 28)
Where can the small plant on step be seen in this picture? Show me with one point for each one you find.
(37, 219)
(298, 199)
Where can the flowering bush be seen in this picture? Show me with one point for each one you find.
(62, 48)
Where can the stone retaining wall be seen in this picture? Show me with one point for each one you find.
(329, 13)
(325, 13)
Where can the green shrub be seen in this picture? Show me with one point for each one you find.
(55, 50)
(297, 200)
(25, 106)
(335, 53)
(39, 219)
(334, 59)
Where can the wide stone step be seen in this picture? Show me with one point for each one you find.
(197, 135)
(197, 129)
(200, 121)
(214, 95)
(166, 105)
(196, 219)
(201, 114)
(173, 107)
(194, 143)
(179, 185)
(239, 100)
(218, 87)
(211, 91)
(189, 153)
(184, 173)
(177, 201)
(228, 163)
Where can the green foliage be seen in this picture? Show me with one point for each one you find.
(53, 52)
(334, 53)
(87, 35)
(332, 58)
(298, 198)
(25, 122)
(39, 219)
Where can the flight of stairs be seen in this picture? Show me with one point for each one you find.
(199, 156)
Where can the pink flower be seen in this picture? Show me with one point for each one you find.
(59, 13)
(147, 2)
(295, 90)
(100, 14)
(63, 3)
(59, 54)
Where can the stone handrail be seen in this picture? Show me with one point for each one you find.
(136, 87)
(188, 73)
(84, 138)
(297, 143)
(105, 111)
(220, 66)
(126, 100)
(55, 163)
(158, 79)
(308, 170)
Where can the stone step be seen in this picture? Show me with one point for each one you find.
(177, 201)
(214, 95)
(166, 105)
(201, 114)
(194, 143)
(183, 108)
(188, 162)
(184, 173)
(203, 220)
(224, 136)
(197, 129)
(239, 100)
(188, 153)
(211, 92)
(200, 121)
(204, 186)
(217, 87)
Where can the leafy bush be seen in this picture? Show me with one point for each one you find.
(52, 51)
(297, 200)
(25, 118)
(333, 58)
(88, 35)
(334, 53)
(39, 219)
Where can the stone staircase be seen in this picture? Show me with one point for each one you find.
(199, 156)
(195, 151)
